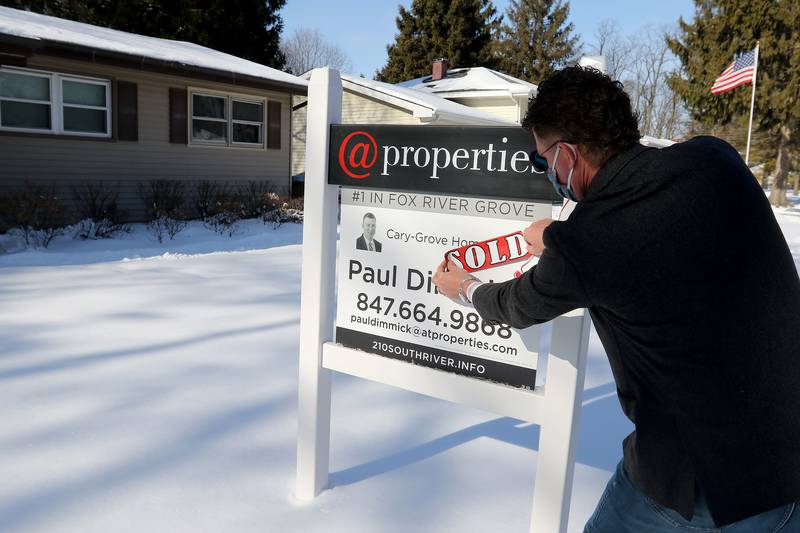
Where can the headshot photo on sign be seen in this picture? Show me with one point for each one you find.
(367, 239)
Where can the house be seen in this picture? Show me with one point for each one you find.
(494, 92)
(83, 103)
(373, 102)
(479, 88)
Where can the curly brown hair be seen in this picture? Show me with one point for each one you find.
(584, 106)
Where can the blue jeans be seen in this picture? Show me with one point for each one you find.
(625, 509)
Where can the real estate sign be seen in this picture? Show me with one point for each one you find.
(395, 229)
(410, 194)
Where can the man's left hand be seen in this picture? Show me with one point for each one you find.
(448, 278)
(534, 236)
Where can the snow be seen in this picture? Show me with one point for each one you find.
(460, 81)
(151, 387)
(44, 28)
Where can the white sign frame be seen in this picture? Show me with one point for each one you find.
(555, 406)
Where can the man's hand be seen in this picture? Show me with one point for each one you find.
(533, 235)
(448, 278)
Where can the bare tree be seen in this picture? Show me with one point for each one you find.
(651, 65)
(307, 49)
(643, 63)
(611, 45)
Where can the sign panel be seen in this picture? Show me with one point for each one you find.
(390, 243)
(464, 160)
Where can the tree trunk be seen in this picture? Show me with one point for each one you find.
(778, 195)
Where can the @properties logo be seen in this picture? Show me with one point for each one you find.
(356, 155)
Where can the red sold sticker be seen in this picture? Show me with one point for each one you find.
(490, 253)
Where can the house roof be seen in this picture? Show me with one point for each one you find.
(34, 33)
(425, 106)
(472, 82)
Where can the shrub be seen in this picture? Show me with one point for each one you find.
(35, 213)
(165, 226)
(219, 206)
(162, 198)
(283, 211)
(163, 201)
(5, 209)
(256, 197)
(295, 204)
(98, 212)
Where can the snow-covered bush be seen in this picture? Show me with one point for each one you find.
(282, 212)
(34, 213)
(295, 204)
(220, 207)
(163, 198)
(97, 229)
(98, 212)
(224, 223)
(163, 201)
(256, 197)
(163, 226)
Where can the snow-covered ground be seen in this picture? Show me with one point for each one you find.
(153, 388)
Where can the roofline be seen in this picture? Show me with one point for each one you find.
(428, 114)
(478, 121)
(22, 46)
(419, 110)
(476, 93)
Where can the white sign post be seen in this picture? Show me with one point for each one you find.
(555, 406)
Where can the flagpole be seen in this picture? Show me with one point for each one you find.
(752, 103)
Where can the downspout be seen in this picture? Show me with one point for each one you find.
(291, 131)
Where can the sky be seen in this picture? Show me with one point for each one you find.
(363, 28)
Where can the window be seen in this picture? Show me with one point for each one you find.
(85, 106)
(227, 120)
(45, 102)
(248, 122)
(209, 119)
(25, 101)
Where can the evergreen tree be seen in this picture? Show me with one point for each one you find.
(537, 40)
(245, 28)
(460, 30)
(706, 46)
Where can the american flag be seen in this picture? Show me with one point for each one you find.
(739, 72)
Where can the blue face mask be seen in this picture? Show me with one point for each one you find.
(540, 164)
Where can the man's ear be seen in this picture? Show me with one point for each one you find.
(568, 155)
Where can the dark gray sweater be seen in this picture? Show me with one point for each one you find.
(695, 296)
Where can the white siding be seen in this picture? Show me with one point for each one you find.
(502, 107)
(356, 109)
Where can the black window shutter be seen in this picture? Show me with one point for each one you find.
(127, 111)
(178, 116)
(273, 124)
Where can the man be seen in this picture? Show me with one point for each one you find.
(693, 292)
(367, 240)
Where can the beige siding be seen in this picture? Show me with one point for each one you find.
(503, 108)
(356, 109)
(125, 164)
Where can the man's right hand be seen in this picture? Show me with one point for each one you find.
(533, 235)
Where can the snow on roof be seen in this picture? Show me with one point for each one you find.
(46, 29)
(436, 104)
(473, 81)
